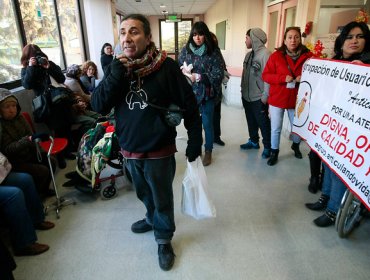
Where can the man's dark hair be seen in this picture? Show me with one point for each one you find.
(143, 19)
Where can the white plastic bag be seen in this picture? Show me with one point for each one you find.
(195, 200)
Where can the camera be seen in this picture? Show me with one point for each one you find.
(41, 60)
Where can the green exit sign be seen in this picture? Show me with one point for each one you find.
(172, 17)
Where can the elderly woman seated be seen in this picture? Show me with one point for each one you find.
(23, 212)
(84, 117)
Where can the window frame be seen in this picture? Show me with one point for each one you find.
(23, 38)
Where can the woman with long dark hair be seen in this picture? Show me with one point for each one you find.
(106, 56)
(206, 75)
(352, 44)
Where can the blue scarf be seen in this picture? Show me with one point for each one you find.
(198, 51)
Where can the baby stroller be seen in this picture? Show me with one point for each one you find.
(99, 161)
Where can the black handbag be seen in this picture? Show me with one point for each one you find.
(41, 107)
(172, 115)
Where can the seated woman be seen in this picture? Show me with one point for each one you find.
(22, 210)
(17, 145)
(352, 45)
(81, 101)
(73, 82)
(37, 73)
(89, 75)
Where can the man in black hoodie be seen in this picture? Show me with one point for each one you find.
(138, 83)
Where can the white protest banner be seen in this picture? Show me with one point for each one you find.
(333, 115)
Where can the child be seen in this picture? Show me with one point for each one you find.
(17, 145)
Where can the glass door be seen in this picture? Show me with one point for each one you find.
(280, 16)
(173, 36)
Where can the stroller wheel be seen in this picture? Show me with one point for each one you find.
(108, 192)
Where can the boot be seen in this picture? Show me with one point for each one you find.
(314, 185)
(207, 158)
(326, 220)
(297, 152)
(320, 204)
(315, 168)
(321, 177)
(274, 157)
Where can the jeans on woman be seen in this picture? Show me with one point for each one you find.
(217, 120)
(207, 109)
(333, 187)
(153, 180)
(277, 116)
(22, 208)
(33, 202)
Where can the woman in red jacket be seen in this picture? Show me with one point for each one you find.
(283, 73)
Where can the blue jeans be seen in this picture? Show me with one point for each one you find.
(277, 116)
(217, 121)
(33, 202)
(333, 187)
(152, 179)
(207, 111)
(22, 208)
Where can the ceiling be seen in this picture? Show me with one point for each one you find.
(152, 7)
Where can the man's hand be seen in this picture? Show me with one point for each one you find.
(192, 153)
(118, 70)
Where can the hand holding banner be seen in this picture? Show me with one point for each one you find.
(333, 116)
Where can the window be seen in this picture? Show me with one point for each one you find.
(70, 29)
(40, 25)
(221, 34)
(10, 44)
(174, 35)
(53, 25)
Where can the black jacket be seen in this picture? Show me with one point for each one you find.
(105, 60)
(38, 79)
(140, 127)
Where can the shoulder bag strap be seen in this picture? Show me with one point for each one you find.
(290, 70)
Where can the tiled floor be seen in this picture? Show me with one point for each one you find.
(262, 229)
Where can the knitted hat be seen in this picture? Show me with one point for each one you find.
(6, 96)
(73, 71)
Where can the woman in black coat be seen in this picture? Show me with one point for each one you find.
(106, 56)
(36, 75)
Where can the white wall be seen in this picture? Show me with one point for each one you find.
(99, 23)
(240, 15)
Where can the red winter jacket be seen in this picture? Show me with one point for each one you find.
(275, 72)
